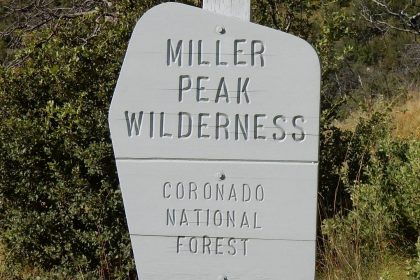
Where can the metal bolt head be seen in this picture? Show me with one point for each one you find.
(221, 176)
(221, 30)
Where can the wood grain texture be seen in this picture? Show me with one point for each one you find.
(235, 8)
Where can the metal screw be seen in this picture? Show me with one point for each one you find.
(221, 176)
(221, 30)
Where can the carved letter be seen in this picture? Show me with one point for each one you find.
(259, 193)
(163, 134)
(206, 244)
(219, 125)
(152, 124)
(220, 190)
(259, 52)
(218, 53)
(172, 55)
(231, 243)
(181, 126)
(193, 245)
(245, 222)
(132, 123)
(248, 190)
(170, 218)
(257, 126)
(200, 54)
(242, 89)
(244, 128)
(180, 192)
(230, 218)
(184, 219)
(182, 87)
(218, 245)
(298, 137)
(238, 51)
(178, 243)
(256, 226)
(200, 88)
(222, 86)
(165, 194)
(282, 136)
(232, 194)
(245, 241)
(193, 190)
(202, 125)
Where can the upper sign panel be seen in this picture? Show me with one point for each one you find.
(196, 85)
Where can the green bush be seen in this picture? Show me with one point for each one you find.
(414, 265)
(61, 208)
(385, 201)
(61, 213)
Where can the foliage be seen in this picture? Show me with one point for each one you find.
(290, 16)
(60, 202)
(385, 197)
(414, 265)
(61, 214)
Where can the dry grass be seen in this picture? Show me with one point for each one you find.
(2, 260)
(405, 118)
(389, 268)
(394, 268)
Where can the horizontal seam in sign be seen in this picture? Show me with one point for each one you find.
(238, 237)
(227, 160)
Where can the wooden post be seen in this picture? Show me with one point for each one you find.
(234, 8)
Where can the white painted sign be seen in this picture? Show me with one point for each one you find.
(215, 128)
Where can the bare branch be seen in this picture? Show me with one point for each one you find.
(41, 12)
(25, 16)
(379, 14)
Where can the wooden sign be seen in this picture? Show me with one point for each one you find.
(215, 128)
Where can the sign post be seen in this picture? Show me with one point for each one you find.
(237, 8)
(215, 127)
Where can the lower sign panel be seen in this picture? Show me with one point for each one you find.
(217, 220)
(186, 258)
